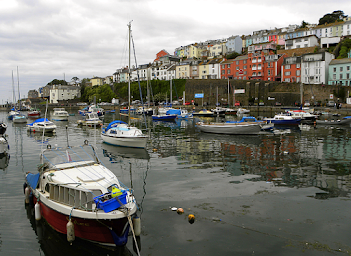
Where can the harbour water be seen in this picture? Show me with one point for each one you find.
(285, 192)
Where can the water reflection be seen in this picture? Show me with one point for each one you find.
(4, 160)
(114, 152)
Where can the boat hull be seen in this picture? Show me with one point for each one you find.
(85, 228)
(164, 117)
(4, 145)
(134, 142)
(230, 128)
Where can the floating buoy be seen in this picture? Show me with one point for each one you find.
(155, 149)
(191, 218)
(174, 208)
(37, 211)
(26, 195)
(137, 226)
(180, 211)
(70, 231)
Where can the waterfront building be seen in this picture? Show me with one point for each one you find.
(291, 69)
(340, 72)
(63, 92)
(315, 67)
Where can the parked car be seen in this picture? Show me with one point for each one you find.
(307, 103)
(237, 103)
(278, 104)
(187, 103)
(330, 103)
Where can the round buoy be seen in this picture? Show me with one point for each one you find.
(37, 211)
(70, 231)
(137, 226)
(26, 195)
(180, 211)
(191, 218)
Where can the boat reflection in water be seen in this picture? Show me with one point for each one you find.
(55, 243)
(4, 160)
(113, 152)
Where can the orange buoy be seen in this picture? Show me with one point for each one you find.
(180, 211)
(191, 218)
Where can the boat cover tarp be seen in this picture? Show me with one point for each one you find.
(173, 112)
(39, 120)
(347, 117)
(33, 179)
(114, 123)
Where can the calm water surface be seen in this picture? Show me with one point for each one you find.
(285, 192)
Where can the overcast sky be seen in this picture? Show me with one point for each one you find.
(61, 39)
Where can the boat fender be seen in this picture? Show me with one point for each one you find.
(116, 192)
(70, 231)
(24, 187)
(26, 195)
(37, 211)
(137, 226)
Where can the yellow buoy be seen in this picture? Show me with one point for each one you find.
(191, 218)
(115, 192)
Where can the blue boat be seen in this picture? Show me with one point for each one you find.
(282, 119)
(165, 117)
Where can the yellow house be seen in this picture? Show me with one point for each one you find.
(97, 81)
(183, 70)
(204, 69)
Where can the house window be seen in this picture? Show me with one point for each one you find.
(228, 71)
(348, 68)
(223, 66)
(287, 73)
(245, 61)
(334, 76)
(340, 76)
(298, 72)
(287, 66)
(237, 62)
(340, 69)
(223, 72)
(237, 67)
(334, 69)
(347, 76)
(228, 65)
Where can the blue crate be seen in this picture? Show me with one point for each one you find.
(110, 204)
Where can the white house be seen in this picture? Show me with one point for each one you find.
(63, 92)
(315, 66)
(301, 42)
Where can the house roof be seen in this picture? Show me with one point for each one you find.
(297, 52)
(340, 61)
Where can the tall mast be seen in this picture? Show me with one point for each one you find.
(129, 74)
(19, 96)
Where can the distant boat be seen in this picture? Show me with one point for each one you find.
(33, 113)
(42, 124)
(19, 119)
(283, 119)
(119, 133)
(13, 112)
(239, 128)
(264, 124)
(241, 111)
(181, 113)
(90, 120)
(60, 114)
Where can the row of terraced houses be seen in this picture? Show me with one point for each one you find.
(290, 54)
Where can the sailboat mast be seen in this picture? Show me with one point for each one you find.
(19, 95)
(13, 92)
(129, 74)
(170, 94)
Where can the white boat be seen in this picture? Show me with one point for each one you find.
(239, 128)
(163, 110)
(119, 133)
(60, 114)
(13, 112)
(78, 196)
(91, 120)
(144, 110)
(40, 125)
(96, 109)
(306, 117)
(4, 145)
(19, 119)
(219, 111)
(241, 111)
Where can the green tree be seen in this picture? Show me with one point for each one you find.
(57, 82)
(75, 79)
(332, 17)
(304, 24)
